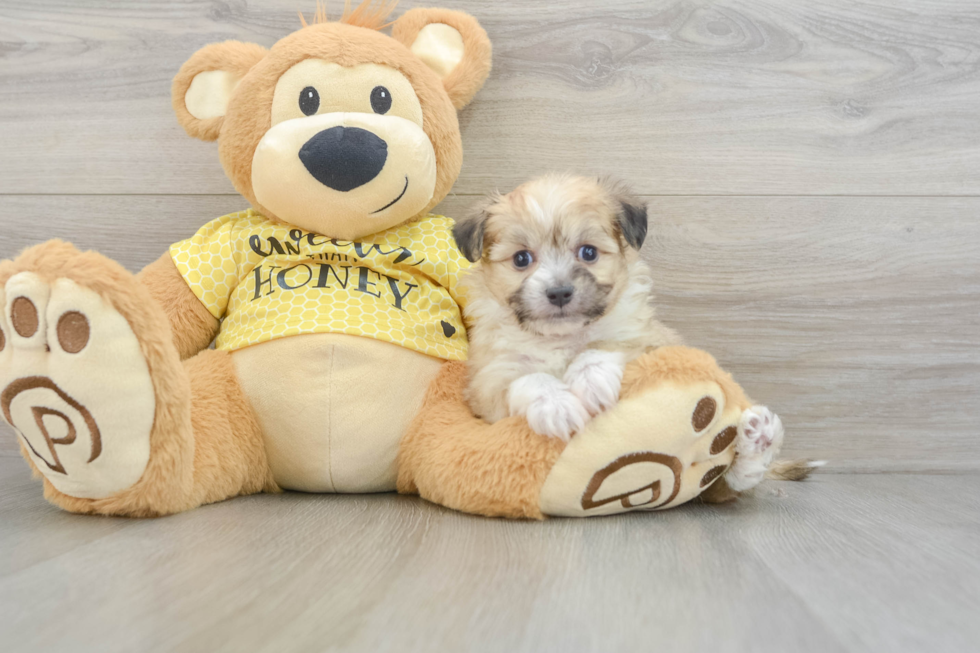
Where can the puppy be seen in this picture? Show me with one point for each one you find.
(559, 301)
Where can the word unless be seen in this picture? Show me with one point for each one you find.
(273, 246)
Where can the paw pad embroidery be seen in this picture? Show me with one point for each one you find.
(73, 332)
(646, 496)
(648, 480)
(50, 455)
(74, 385)
(23, 315)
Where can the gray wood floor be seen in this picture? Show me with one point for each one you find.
(813, 172)
(857, 562)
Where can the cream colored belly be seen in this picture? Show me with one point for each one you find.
(333, 408)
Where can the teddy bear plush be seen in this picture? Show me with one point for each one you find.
(334, 310)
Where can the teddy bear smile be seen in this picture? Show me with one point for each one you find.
(394, 201)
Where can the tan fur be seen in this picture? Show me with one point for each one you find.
(780, 470)
(204, 443)
(454, 459)
(246, 122)
(719, 492)
(510, 323)
(791, 470)
(319, 16)
(248, 115)
(468, 77)
(551, 213)
(229, 453)
(369, 14)
(497, 470)
(682, 365)
(170, 482)
(192, 324)
(232, 56)
(686, 365)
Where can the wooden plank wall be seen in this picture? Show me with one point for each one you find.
(812, 167)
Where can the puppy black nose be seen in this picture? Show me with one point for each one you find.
(344, 158)
(560, 295)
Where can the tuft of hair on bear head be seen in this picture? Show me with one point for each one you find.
(370, 14)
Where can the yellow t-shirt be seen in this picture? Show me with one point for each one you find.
(267, 280)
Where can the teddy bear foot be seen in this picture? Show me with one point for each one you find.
(655, 449)
(74, 384)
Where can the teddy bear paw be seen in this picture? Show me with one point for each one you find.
(655, 449)
(74, 385)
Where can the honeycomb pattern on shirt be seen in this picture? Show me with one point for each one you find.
(267, 280)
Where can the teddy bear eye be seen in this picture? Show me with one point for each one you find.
(309, 101)
(380, 100)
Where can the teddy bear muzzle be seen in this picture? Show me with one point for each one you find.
(344, 174)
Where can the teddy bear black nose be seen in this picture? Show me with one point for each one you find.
(344, 158)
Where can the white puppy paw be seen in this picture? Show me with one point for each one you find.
(595, 377)
(548, 405)
(760, 436)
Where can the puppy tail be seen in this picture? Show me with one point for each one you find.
(779, 470)
(793, 470)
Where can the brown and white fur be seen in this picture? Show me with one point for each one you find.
(549, 340)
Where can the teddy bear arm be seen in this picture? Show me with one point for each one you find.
(192, 325)
(450, 457)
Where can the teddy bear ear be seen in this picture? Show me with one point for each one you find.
(452, 44)
(203, 88)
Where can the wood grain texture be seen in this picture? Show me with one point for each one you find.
(681, 96)
(840, 563)
(857, 319)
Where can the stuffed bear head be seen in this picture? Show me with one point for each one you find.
(340, 129)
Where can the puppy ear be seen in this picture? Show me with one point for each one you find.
(633, 223)
(203, 88)
(469, 231)
(631, 214)
(452, 44)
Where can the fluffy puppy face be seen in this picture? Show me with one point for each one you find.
(557, 250)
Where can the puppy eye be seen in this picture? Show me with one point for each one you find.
(588, 253)
(309, 101)
(522, 259)
(380, 100)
